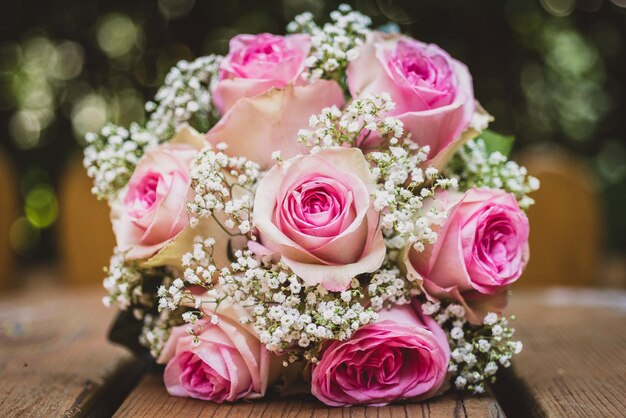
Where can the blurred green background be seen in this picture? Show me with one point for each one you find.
(552, 72)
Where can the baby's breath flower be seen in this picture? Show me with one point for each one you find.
(476, 352)
(389, 287)
(473, 166)
(185, 98)
(111, 155)
(156, 330)
(124, 283)
(223, 185)
(335, 44)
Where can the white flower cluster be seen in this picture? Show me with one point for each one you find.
(363, 119)
(282, 309)
(123, 282)
(335, 44)
(286, 313)
(223, 185)
(176, 296)
(199, 270)
(476, 351)
(185, 98)
(156, 330)
(388, 287)
(473, 166)
(111, 156)
(405, 196)
(404, 185)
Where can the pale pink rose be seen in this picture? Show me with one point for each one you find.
(316, 212)
(227, 364)
(404, 355)
(481, 249)
(256, 63)
(152, 210)
(433, 92)
(257, 126)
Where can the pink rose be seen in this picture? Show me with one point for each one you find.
(152, 211)
(433, 92)
(404, 355)
(256, 63)
(315, 210)
(257, 126)
(227, 364)
(481, 248)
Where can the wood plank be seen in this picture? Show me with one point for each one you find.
(149, 399)
(54, 357)
(574, 358)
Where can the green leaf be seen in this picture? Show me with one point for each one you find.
(496, 142)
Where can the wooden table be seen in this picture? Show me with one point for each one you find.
(55, 361)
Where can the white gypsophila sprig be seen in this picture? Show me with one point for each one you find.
(335, 44)
(288, 314)
(473, 166)
(125, 280)
(477, 351)
(404, 184)
(279, 306)
(388, 287)
(156, 330)
(199, 271)
(365, 117)
(185, 99)
(111, 155)
(122, 282)
(223, 185)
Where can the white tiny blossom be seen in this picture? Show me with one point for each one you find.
(473, 166)
(490, 318)
(335, 44)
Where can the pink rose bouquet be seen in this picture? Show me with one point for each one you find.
(324, 206)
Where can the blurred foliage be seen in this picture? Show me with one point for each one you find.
(550, 71)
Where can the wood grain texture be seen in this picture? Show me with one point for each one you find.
(574, 358)
(149, 399)
(54, 357)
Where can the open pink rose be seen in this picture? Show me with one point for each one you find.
(315, 210)
(227, 364)
(256, 63)
(257, 126)
(152, 210)
(481, 248)
(433, 92)
(404, 355)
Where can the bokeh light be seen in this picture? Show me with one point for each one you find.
(117, 35)
(559, 7)
(23, 236)
(175, 9)
(40, 206)
(89, 114)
